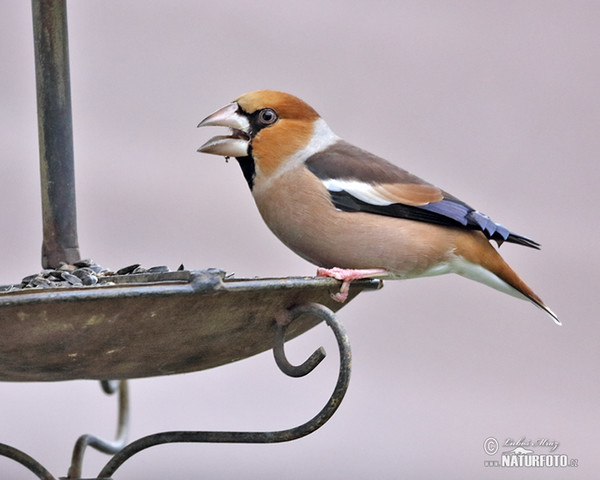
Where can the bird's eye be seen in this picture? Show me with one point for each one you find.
(267, 116)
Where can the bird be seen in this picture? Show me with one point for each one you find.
(350, 212)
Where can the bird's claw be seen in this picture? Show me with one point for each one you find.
(347, 276)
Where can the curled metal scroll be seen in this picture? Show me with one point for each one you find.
(28, 462)
(84, 441)
(109, 387)
(263, 437)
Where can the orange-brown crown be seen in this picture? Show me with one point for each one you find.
(287, 106)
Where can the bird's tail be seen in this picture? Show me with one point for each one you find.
(529, 294)
(482, 263)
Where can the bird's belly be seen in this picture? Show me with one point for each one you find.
(357, 240)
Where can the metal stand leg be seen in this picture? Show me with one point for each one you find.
(31, 464)
(263, 437)
(104, 446)
(123, 453)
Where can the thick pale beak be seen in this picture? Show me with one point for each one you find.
(234, 145)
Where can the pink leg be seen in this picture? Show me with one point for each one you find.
(347, 276)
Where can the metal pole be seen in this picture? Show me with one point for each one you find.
(55, 129)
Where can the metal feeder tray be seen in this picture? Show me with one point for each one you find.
(151, 324)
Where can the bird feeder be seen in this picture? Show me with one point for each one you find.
(74, 321)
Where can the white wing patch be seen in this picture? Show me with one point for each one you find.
(360, 190)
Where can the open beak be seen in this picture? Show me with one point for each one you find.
(233, 145)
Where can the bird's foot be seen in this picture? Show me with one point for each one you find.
(347, 276)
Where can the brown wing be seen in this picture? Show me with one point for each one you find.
(360, 181)
(347, 162)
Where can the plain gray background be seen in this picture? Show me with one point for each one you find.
(497, 102)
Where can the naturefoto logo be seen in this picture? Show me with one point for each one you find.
(525, 452)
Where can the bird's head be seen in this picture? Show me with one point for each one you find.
(269, 129)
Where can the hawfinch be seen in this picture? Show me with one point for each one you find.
(351, 213)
